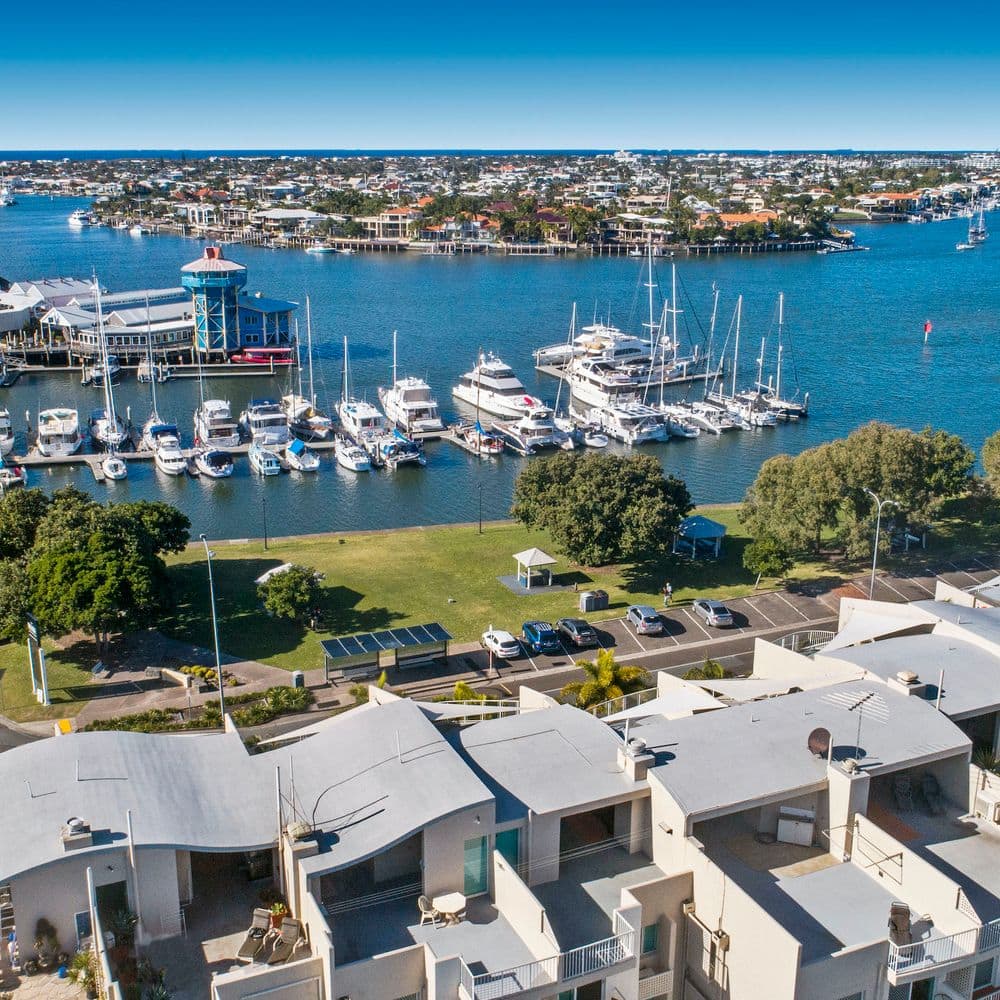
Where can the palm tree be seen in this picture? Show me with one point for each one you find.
(606, 679)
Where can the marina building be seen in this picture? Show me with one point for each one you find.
(817, 831)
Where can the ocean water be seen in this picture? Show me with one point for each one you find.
(854, 341)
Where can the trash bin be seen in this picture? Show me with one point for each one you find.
(593, 600)
(298, 679)
(586, 600)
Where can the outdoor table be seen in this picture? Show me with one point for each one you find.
(450, 905)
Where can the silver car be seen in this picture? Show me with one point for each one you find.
(644, 619)
(715, 613)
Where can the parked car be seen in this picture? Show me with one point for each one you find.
(577, 631)
(541, 637)
(500, 643)
(714, 613)
(644, 619)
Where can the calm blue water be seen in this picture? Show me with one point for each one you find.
(855, 323)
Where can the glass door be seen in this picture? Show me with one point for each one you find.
(476, 867)
(509, 845)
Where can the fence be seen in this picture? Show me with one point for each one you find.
(622, 702)
(807, 643)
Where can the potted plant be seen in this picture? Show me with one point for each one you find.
(278, 913)
(81, 971)
(123, 924)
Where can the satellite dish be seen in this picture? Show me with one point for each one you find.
(819, 742)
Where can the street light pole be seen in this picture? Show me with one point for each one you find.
(215, 630)
(480, 508)
(879, 504)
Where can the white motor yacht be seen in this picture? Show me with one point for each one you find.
(59, 432)
(154, 430)
(393, 449)
(265, 423)
(6, 433)
(409, 405)
(214, 463)
(492, 386)
(595, 382)
(263, 461)
(214, 426)
(534, 431)
(350, 456)
(305, 420)
(12, 475)
(79, 219)
(168, 456)
(360, 419)
(300, 458)
(630, 423)
(600, 341)
(678, 420)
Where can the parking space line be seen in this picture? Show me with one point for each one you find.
(639, 644)
(761, 613)
(884, 580)
(917, 583)
(985, 565)
(804, 617)
(534, 665)
(698, 623)
(958, 569)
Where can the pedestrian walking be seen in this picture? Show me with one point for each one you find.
(668, 594)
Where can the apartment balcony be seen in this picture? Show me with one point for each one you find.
(938, 954)
(563, 969)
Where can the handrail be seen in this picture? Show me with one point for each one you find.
(584, 960)
(623, 701)
(933, 951)
(989, 935)
(805, 642)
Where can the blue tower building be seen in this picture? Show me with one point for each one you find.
(215, 284)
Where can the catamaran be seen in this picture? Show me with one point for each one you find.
(408, 402)
(791, 408)
(492, 386)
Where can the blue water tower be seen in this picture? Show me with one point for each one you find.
(215, 284)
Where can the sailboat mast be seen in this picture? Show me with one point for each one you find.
(394, 338)
(569, 341)
(309, 348)
(109, 398)
(649, 286)
(298, 358)
(149, 356)
(663, 350)
(736, 347)
(343, 377)
(711, 340)
(673, 304)
(781, 346)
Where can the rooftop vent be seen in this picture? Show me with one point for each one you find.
(76, 834)
(907, 677)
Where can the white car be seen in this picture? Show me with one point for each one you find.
(501, 644)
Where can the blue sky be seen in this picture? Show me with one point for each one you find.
(501, 75)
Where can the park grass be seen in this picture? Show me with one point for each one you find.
(447, 574)
(67, 682)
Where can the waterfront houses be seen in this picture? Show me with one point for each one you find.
(815, 831)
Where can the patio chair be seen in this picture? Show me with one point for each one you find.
(902, 791)
(253, 943)
(291, 933)
(428, 915)
(932, 793)
(900, 931)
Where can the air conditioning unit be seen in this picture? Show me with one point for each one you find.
(988, 805)
(688, 907)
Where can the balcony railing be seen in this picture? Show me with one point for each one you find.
(573, 964)
(989, 935)
(806, 643)
(622, 702)
(934, 951)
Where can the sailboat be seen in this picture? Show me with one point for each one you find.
(304, 418)
(482, 442)
(977, 228)
(107, 430)
(792, 408)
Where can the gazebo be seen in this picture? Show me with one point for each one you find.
(699, 536)
(530, 560)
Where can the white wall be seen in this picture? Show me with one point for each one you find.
(543, 848)
(444, 845)
(158, 898)
(854, 970)
(848, 796)
(302, 980)
(393, 974)
(523, 911)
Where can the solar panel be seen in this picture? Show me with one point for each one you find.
(374, 642)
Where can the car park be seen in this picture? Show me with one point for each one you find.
(714, 613)
(500, 643)
(577, 632)
(540, 637)
(644, 620)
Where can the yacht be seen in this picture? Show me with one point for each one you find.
(321, 248)
(678, 421)
(79, 219)
(11, 476)
(492, 386)
(6, 433)
(140, 230)
(598, 340)
(168, 455)
(409, 405)
(263, 461)
(153, 371)
(484, 443)
(408, 402)
(96, 374)
(214, 463)
(631, 423)
(265, 423)
(350, 456)
(214, 426)
(534, 431)
(305, 420)
(977, 229)
(154, 430)
(300, 458)
(107, 429)
(360, 420)
(113, 466)
(393, 448)
(595, 382)
(7, 196)
(59, 432)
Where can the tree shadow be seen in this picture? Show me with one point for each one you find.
(648, 576)
(340, 615)
(815, 588)
(572, 578)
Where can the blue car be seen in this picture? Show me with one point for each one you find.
(541, 637)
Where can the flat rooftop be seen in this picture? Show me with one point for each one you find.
(720, 762)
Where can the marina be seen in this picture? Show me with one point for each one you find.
(856, 321)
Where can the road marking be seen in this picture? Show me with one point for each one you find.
(639, 644)
(747, 601)
(884, 580)
(698, 623)
(958, 569)
(917, 583)
(534, 665)
(984, 565)
(804, 617)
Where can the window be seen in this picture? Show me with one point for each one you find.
(650, 938)
(475, 866)
(984, 974)
(854, 996)
(508, 844)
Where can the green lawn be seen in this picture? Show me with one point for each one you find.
(446, 574)
(67, 682)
